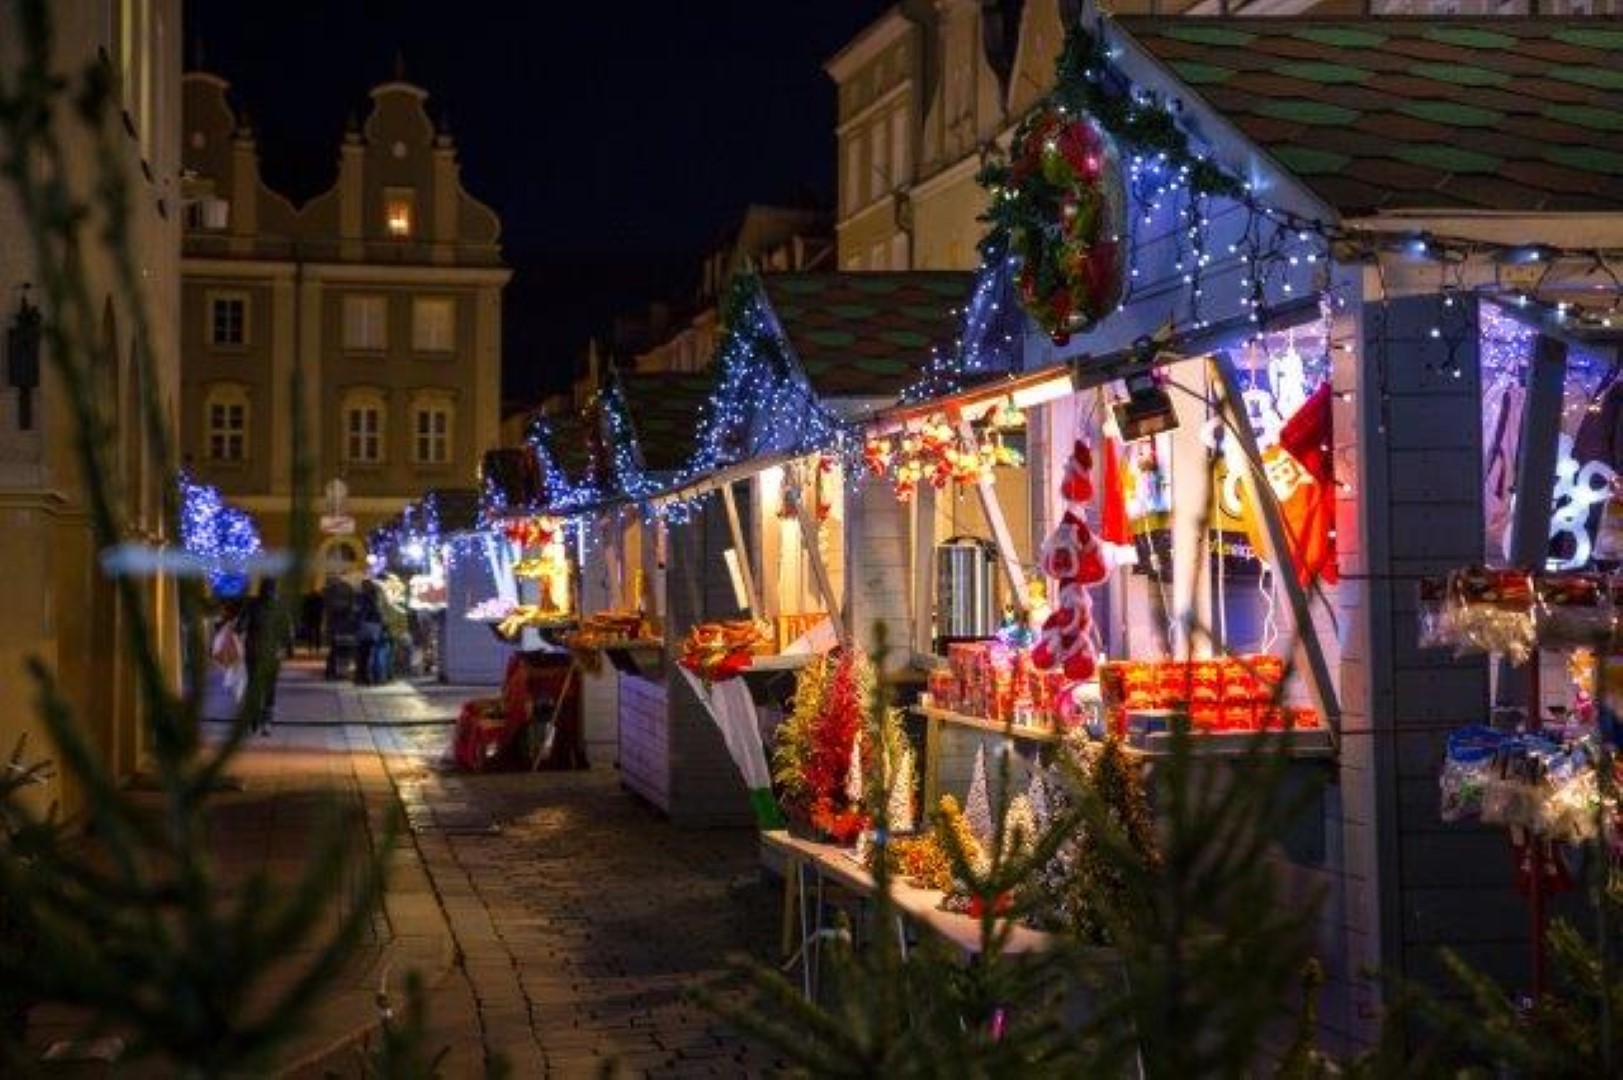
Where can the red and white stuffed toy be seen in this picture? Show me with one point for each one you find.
(1074, 557)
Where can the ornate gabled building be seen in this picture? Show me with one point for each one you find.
(385, 291)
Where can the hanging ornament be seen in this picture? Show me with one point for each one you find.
(1074, 557)
(1064, 204)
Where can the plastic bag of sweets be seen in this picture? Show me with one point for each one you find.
(1433, 628)
(1572, 610)
(1467, 763)
(1492, 609)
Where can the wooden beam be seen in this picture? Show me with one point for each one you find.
(986, 489)
(736, 528)
(1536, 454)
(808, 544)
(1260, 495)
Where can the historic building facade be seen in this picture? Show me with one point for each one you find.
(60, 607)
(384, 291)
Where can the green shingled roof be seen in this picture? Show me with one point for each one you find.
(664, 408)
(867, 335)
(1393, 113)
(568, 444)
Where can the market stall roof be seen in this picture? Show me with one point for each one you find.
(567, 444)
(663, 408)
(1507, 115)
(869, 334)
(457, 509)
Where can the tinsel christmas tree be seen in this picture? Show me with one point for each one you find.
(793, 746)
(978, 804)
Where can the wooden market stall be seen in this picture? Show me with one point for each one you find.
(1273, 413)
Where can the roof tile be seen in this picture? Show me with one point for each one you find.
(1417, 113)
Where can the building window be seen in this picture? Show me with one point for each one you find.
(399, 212)
(431, 437)
(900, 152)
(433, 324)
(852, 189)
(366, 323)
(878, 166)
(228, 320)
(225, 422)
(363, 432)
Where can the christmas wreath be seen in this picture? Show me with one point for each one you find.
(1060, 200)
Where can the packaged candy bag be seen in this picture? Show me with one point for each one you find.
(1465, 773)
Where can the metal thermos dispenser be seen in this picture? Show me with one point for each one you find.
(966, 602)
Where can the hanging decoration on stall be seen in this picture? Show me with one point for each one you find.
(1061, 201)
(1300, 471)
(1074, 557)
(936, 453)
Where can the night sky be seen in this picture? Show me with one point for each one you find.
(616, 141)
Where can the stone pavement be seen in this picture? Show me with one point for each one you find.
(575, 920)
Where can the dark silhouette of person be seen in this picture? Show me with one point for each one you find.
(338, 604)
(261, 643)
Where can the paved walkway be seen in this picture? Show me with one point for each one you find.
(559, 922)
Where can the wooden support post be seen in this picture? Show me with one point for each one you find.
(808, 544)
(1258, 493)
(924, 570)
(986, 489)
(1536, 455)
(1192, 614)
(613, 561)
(736, 528)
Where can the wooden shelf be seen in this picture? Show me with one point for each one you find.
(1307, 743)
(980, 723)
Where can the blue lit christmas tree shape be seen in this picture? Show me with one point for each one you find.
(223, 536)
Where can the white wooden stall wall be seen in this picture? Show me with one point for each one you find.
(877, 569)
(677, 760)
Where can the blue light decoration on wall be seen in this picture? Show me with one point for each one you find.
(223, 536)
(990, 339)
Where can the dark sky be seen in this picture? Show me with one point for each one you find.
(616, 140)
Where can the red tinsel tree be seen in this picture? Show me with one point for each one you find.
(828, 767)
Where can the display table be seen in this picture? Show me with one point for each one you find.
(809, 866)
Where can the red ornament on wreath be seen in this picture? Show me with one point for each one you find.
(1064, 206)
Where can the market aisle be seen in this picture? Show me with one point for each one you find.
(582, 919)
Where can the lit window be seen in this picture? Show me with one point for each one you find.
(228, 320)
(433, 324)
(431, 444)
(225, 423)
(363, 433)
(365, 323)
(398, 211)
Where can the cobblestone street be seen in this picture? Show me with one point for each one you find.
(580, 920)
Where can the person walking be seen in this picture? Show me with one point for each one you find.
(262, 636)
(368, 631)
(338, 605)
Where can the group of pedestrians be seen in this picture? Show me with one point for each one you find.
(367, 636)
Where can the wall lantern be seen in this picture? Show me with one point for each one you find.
(22, 358)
